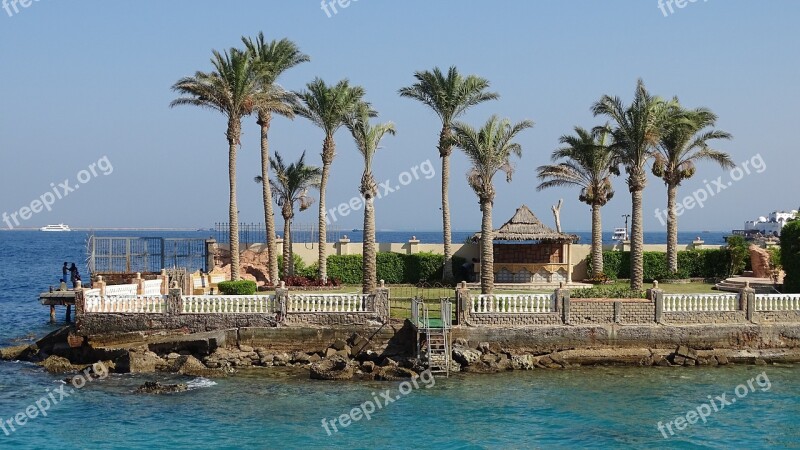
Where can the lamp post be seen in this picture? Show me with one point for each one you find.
(627, 235)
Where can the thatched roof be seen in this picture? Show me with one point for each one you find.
(525, 226)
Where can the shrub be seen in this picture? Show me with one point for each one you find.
(240, 287)
(301, 281)
(393, 268)
(607, 292)
(346, 268)
(739, 254)
(691, 264)
(790, 256)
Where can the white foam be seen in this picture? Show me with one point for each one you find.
(200, 382)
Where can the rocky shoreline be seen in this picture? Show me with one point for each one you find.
(354, 358)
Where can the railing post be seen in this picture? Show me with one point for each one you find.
(164, 282)
(80, 308)
(562, 302)
(211, 251)
(281, 298)
(747, 301)
(174, 304)
(139, 282)
(657, 295)
(463, 301)
(101, 285)
(382, 305)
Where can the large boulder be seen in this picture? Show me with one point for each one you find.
(760, 260)
(191, 366)
(156, 388)
(139, 361)
(18, 352)
(390, 373)
(466, 356)
(57, 364)
(335, 368)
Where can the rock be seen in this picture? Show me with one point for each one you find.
(344, 353)
(489, 359)
(300, 357)
(330, 352)
(368, 366)
(17, 352)
(314, 358)
(173, 356)
(690, 362)
(466, 356)
(191, 366)
(524, 362)
(722, 360)
(57, 364)
(483, 347)
(359, 344)
(461, 342)
(388, 362)
(760, 362)
(156, 388)
(334, 368)
(678, 360)
(339, 344)
(686, 352)
(282, 357)
(245, 348)
(394, 374)
(659, 360)
(760, 260)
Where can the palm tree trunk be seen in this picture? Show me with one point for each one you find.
(234, 134)
(637, 241)
(487, 248)
(370, 265)
(447, 272)
(328, 148)
(672, 230)
(597, 241)
(288, 254)
(269, 217)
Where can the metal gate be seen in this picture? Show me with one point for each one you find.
(145, 254)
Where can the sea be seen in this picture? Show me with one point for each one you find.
(601, 407)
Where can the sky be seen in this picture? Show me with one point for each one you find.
(86, 84)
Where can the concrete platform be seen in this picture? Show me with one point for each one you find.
(735, 284)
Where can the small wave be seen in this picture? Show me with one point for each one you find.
(200, 382)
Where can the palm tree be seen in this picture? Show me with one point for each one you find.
(328, 108)
(636, 132)
(589, 164)
(368, 138)
(232, 88)
(489, 149)
(273, 58)
(449, 96)
(289, 187)
(684, 140)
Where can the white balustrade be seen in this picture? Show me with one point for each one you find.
(125, 304)
(228, 304)
(152, 287)
(513, 303)
(123, 289)
(701, 302)
(326, 303)
(778, 302)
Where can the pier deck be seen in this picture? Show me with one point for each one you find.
(58, 298)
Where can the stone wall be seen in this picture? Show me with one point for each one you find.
(637, 312)
(514, 320)
(705, 317)
(582, 312)
(776, 316)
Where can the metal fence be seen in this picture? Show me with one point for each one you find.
(145, 254)
(256, 233)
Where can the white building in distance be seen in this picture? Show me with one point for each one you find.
(770, 226)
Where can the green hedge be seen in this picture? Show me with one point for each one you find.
(241, 287)
(393, 268)
(790, 256)
(691, 264)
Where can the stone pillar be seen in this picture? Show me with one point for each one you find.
(281, 299)
(343, 248)
(618, 312)
(100, 284)
(698, 243)
(382, 306)
(413, 245)
(139, 282)
(463, 301)
(747, 301)
(164, 282)
(211, 251)
(657, 296)
(569, 263)
(174, 302)
(562, 303)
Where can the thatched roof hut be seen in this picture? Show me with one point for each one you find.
(525, 226)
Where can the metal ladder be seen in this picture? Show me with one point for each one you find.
(437, 337)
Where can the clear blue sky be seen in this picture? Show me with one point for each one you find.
(83, 79)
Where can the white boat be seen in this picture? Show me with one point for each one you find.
(620, 234)
(59, 227)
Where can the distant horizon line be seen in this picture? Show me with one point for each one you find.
(342, 231)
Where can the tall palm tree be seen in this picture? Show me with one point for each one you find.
(449, 96)
(588, 164)
(636, 132)
(684, 140)
(328, 108)
(489, 149)
(232, 88)
(289, 187)
(273, 58)
(368, 138)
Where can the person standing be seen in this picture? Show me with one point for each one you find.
(74, 276)
(64, 271)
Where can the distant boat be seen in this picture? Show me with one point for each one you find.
(620, 234)
(356, 230)
(59, 227)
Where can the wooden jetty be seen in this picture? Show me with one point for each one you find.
(58, 298)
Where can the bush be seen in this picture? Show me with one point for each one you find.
(301, 281)
(790, 256)
(346, 268)
(393, 268)
(691, 264)
(241, 287)
(607, 292)
(739, 254)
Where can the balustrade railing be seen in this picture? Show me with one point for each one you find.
(778, 302)
(513, 303)
(130, 304)
(228, 304)
(701, 302)
(326, 303)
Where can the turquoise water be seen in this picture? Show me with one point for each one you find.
(597, 407)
